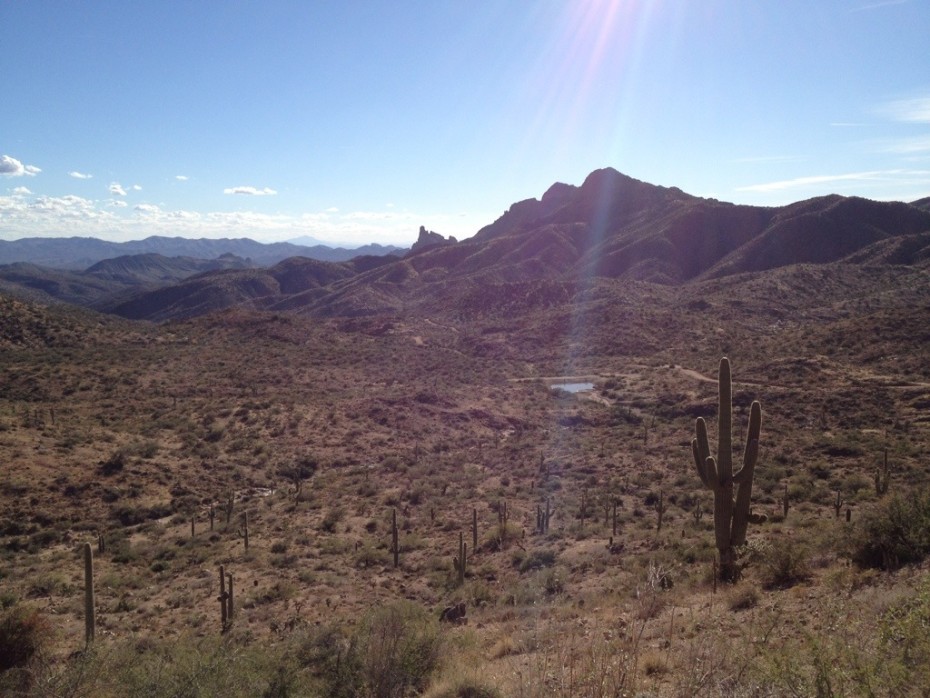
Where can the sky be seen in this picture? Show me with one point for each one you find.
(360, 121)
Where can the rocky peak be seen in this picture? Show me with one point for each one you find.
(427, 238)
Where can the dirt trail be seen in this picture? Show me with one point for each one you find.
(694, 374)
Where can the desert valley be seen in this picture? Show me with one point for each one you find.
(466, 469)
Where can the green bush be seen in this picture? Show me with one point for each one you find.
(399, 646)
(537, 560)
(784, 564)
(392, 654)
(332, 657)
(895, 534)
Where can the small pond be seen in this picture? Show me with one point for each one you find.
(572, 387)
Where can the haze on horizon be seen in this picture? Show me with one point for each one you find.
(358, 123)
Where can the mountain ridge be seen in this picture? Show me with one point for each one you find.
(79, 253)
(611, 228)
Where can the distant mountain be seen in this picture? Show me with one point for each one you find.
(575, 239)
(157, 269)
(923, 204)
(79, 253)
(106, 281)
(306, 241)
(298, 278)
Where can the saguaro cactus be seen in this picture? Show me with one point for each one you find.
(90, 612)
(223, 598)
(459, 562)
(882, 476)
(731, 518)
(229, 597)
(395, 544)
(660, 510)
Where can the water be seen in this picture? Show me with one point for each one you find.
(573, 387)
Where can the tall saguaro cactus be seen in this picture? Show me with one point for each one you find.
(731, 518)
(90, 612)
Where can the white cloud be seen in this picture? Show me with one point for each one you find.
(116, 189)
(908, 146)
(112, 218)
(250, 191)
(888, 185)
(136, 187)
(80, 175)
(21, 191)
(766, 159)
(915, 110)
(878, 5)
(377, 215)
(65, 208)
(11, 167)
(184, 215)
(181, 178)
(10, 206)
(799, 182)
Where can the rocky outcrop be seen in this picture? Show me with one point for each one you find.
(428, 239)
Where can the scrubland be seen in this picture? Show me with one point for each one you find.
(322, 432)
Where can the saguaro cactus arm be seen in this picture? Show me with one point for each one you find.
(700, 449)
(744, 477)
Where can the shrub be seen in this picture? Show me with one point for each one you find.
(399, 646)
(114, 464)
(24, 633)
(784, 565)
(537, 560)
(467, 687)
(333, 659)
(392, 654)
(743, 597)
(895, 534)
(370, 556)
(331, 519)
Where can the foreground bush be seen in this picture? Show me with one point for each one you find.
(393, 653)
(399, 647)
(24, 633)
(896, 534)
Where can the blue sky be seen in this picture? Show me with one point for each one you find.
(360, 121)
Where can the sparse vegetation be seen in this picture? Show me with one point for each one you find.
(328, 431)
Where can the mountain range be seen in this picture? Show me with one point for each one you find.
(76, 254)
(610, 229)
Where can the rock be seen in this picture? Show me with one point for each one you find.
(427, 239)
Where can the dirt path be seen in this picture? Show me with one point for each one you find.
(694, 374)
